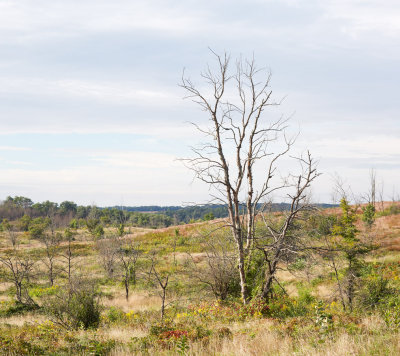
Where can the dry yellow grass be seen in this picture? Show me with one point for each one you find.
(122, 334)
(285, 276)
(387, 232)
(4, 286)
(20, 320)
(259, 338)
(136, 302)
(324, 291)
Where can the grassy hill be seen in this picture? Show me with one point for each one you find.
(84, 309)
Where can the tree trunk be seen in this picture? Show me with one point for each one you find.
(269, 278)
(51, 277)
(18, 286)
(242, 274)
(126, 287)
(163, 303)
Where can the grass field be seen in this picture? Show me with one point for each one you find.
(306, 316)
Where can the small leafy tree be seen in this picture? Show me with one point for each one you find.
(351, 247)
(38, 226)
(121, 230)
(94, 227)
(368, 216)
(68, 255)
(209, 216)
(127, 255)
(24, 223)
(73, 224)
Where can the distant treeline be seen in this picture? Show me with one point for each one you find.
(204, 212)
(14, 208)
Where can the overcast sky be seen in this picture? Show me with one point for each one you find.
(90, 109)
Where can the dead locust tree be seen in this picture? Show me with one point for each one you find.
(218, 273)
(283, 239)
(240, 157)
(17, 266)
(159, 279)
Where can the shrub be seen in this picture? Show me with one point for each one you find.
(323, 320)
(15, 308)
(41, 292)
(321, 225)
(391, 210)
(85, 310)
(77, 308)
(256, 308)
(93, 345)
(115, 315)
(24, 222)
(298, 265)
(38, 226)
(305, 297)
(368, 216)
(284, 306)
(73, 224)
(374, 291)
(255, 274)
(390, 312)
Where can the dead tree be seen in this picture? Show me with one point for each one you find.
(282, 240)
(18, 268)
(51, 241)
(108, 251)
(372, 192)
(218, 273)
(12, 233)
(243, 149)
(159, 280)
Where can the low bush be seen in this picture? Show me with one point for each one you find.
(374, 292)
(115, 314)
(75, 308)
(8, 309)
(390, 312)
(50, 339)
(393, 209)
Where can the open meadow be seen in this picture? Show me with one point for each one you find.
(175, 291)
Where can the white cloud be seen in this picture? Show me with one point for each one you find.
(151, 182)
(366, 18)
(114, 92)
(24, 21)
(364, 147)
(20, 163)
(14, 148)
(42, 20)
(137, 160)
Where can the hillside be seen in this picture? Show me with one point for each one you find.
(174, 290)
